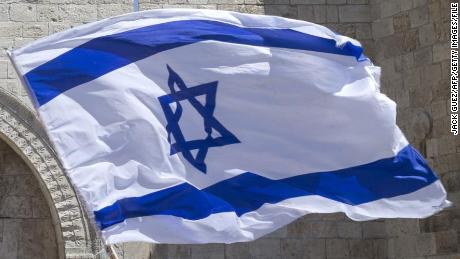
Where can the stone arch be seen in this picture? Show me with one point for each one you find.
(21, 130)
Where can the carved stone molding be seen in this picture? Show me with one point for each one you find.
(20, 128)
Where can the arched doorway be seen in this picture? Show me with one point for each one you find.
(40, 191)
(26, 226)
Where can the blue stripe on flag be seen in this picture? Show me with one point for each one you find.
(100, 56)
(402, 174)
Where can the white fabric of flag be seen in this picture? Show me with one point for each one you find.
(198, 126)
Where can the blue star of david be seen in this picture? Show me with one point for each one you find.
(182, 145)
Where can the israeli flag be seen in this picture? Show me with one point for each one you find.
(198, 126)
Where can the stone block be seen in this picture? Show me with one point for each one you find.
(77, 13)
(446, 242)
(374, 229)
(109, 10)
(30, 237)
(11, 73)
(159, 251)
(402, 97)
(4, 13)
(435, 10)
(24, 185)
(432, 147)
(357, 1)
(16, 207)
(451, 183)
(380, 247)
(324, 229)
(403, 246)
(265, 248)
(316, 14)
(137, 250)
(427, 35)
(418, 16)
(406, 5)
(237, 250)
(77, 2)
(441, 52)
(400, 227)
(307, 2)
(389, 69)
(431, 75)
(442, 32)
(349, 229)
(23, 12)
(410, 40)
(423, 56)
(10, 29)
(417, 3)
(401, 22)
(363, 31)
(382, 28)
(19, 42)
(440, 128)
(204, 2)
(279, 233)
(293, 248)
(420, 98)
(445, 68)
(398, 64)
(336, 2)
(442, 221)
(281, 10)
(439, 110)
(180, 251)
(48, 13)
(344, 29)
(3, 69)
(355, 13)
(407, 61)
(389, 8)
(425, 244)
(55, 27)
(451, 256)
(178, 2)
(447, 145)
(316, 248)
(232, 2)
(15, 165)
(361, 248)
(10, 241)
(453, 161)
(300, 228)
(337, 248)
(332, 14)
(274, 2)
(35, 30)
(144, 7)
(301, 248)
(253, 9)
(214, 7)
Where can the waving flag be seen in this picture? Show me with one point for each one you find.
(196, 126)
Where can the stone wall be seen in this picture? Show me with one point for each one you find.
(412, 39)
(407, 38)
(26, 229)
